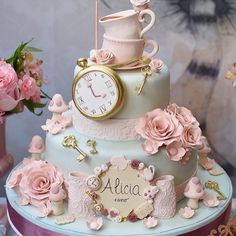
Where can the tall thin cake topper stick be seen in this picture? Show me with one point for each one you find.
(96, 24)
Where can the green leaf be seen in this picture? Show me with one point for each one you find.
(44, 94)
(31, 106)
(32, 49)
(17, 55)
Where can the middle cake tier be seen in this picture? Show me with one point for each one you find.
(66, 158)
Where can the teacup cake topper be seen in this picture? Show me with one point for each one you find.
(123, 41)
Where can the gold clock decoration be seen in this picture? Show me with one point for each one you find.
(97, 91)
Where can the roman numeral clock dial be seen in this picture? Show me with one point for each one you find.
(97, 91)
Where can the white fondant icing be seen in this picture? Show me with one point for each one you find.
(155, 94)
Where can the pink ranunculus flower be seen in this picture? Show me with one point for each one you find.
(191, 137)
(36, 97)
(35, 70)
(28, 87)
(9, 93)
(160, 128)
(176, 151)
(104, 56)
(8, 78)
(33, 182)
(183, 114)
(156, 65)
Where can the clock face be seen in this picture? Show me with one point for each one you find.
(93, 182)
(97, 94)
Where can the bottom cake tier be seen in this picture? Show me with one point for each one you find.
(25, 221)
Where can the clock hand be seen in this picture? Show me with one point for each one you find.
(103, 95)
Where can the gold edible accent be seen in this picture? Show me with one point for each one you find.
(225, 230)
(119, 90)
(92, 144)
(215, 186)
(143, 61)
(146, 71)
(71, 142)
(82, 62)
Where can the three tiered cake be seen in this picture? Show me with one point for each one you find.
(119, 155)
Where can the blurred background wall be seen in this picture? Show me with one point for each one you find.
(197, 42)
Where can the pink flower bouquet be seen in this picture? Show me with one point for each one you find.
(175, 127)
(21, 79)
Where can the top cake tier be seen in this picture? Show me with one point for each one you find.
(155, 93)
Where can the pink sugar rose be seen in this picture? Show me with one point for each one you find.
(191, 137)
(156, 65)
(33, 182)
(184, 115)
(159, 127)
(176, 151)
(28, 87)
(104, 56)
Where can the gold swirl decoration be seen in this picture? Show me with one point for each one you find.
(225, 230)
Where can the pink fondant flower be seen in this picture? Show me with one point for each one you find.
(33, 182)
(135, 164)
(159, 127)
(132, 217)
(176, 151)
(186, 212)
(95, 223)
(150, 147)
(156, 65)
(210, 200)
(104, 56)
(191, 137)
(150, 222)
(183, 114)
(28, 87)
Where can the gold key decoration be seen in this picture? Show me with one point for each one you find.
(215, 186)
(92, 144)
(71, 142)
(146, 71)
